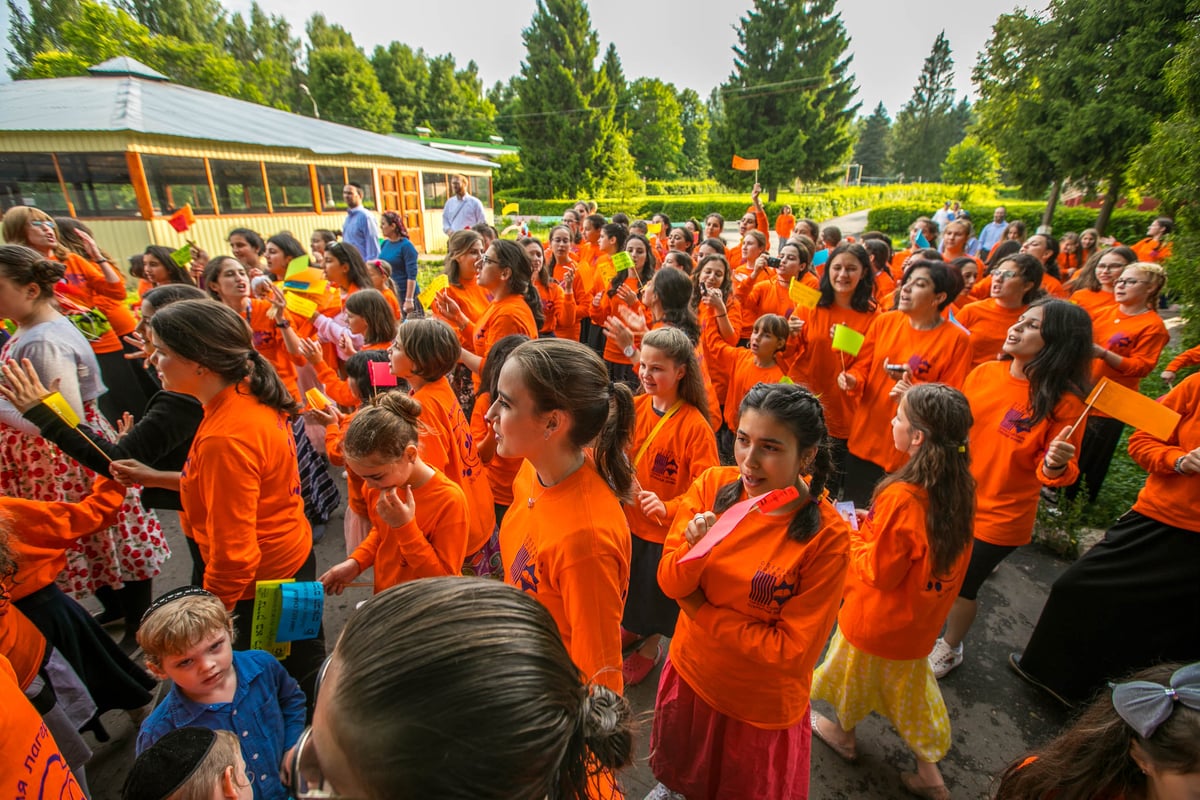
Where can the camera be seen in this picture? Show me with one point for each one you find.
(772, 262)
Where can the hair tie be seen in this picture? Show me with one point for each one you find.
(1145, 705)
(962, 448)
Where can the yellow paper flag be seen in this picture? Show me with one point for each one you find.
(510, 208)
(1134, 408)
(298, 264)
(803, 295)
(59, 405)
(300, 305)
(745, 164)
(316, 399)
(653, 228)
(182, 256)
(436, 285)
(268, 608)
(622, 260)
(847, 339)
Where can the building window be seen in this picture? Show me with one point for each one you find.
(99, 184)
(434, 186)
(239, 186)
(366, 179)
(29, 179)
(176, 182)
(291, 189)
(481, 186)
(331, 180)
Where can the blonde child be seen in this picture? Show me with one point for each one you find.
(187, 636)
(906, 563)
(744, 366)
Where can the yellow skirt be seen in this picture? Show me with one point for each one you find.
(905, 692)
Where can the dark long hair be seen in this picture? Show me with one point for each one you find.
(356, 268)
(165, 257)
(799, 410)
(863, 299)
(942, 467)
(648, 268)
(1065, 361)
(674, 291)
(726, 282)
(1086, 278)
(513, 256)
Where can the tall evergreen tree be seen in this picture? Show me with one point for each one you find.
(694, 121)
(269, 57)
(621, 89)
(930, 123)
(565, 123)
(872, 149)
(788, 101)
(503, 96)
(187, 20)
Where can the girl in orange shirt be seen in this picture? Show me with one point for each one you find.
(955, 235)
(672, 444)
(419, 517)
(1092, 287)
(347, 272)
(625, 288)
(423, 353)
(563, 269)
(713, 299)
(661, 242)
(381, 278)
(680, 240)
(1044, 248)
(1070, 255)
(1128, 341)
(910, 345)
(1024, 408)
(907, 561)
(464, 256)
(772, 296)
(565, 538)
(968, 270)
(1188, 358)
(880, 252)
(846, 299)
(756, 363)
(501, 471)
(558, 300)
(1015, 283)
(731, 717)
(785, 223)
(369, 320)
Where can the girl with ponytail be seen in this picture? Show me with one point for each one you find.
(419, 517)
(240, 486)
(907, 561)
(732, 714)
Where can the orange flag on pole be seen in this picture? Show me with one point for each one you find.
(182, 219)
(745, 164)
(1134, 408)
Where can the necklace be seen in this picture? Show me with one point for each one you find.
(546, 487)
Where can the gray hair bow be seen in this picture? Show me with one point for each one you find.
(1145, 705)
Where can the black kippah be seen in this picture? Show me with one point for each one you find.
(173, 595)
(168, 764)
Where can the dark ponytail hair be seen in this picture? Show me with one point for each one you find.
(501, 350)
(216, 337)
(799, 410)
(561, 374)
(356, 268)
(23, 265)
(520, 281)
(674, 292)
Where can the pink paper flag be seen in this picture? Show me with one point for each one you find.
(735, 514)
(381, 374)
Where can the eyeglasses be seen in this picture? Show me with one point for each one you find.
(1128, 282)
(1005, 274)
(485, 260)
(308, 781)
(1108, 267)
(42, 223)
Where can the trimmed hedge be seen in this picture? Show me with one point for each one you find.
(1126, 225)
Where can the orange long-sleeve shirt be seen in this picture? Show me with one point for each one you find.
(784, 225)
(433, 544)
(1152, 250)
(770, 603)
(558, 308)
(21, 643)
(683, 448)
(1168, 496)
(570, 549)
(708, 319)
(446, 444)
(240, 489)
(894, 605)
(1188, 358)
(268, 341)
(1096, 304)
(938, 355)
(738, 364)
(501, 471)
(815, 364)
(42, 532)
(31, 765)
(988, 322)
(582, 298)
(1139, 340)
(334, 435)
(87, 285)
(608, 307)
(885, 286)
(501, 318)
(473, 301)
(763, 297)
(1050, 285)
(1008, 454)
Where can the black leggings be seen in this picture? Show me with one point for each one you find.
(985, 557)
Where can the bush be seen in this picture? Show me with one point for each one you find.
(683, 187)
(1126, 225)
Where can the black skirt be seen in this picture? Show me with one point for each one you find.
(647, 610)
(1130, 602)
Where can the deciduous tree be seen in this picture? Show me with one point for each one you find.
(930, 123)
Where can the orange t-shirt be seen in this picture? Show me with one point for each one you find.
(558, 308)
(446, 444)
(570, 549)
(767, 297)
(240, 489)
(988, 322)
(1151, 250)
(473, 301)
(501, 471)
(42, 531)
(708, 319)
(31, 764)
(1007, 453)
(582, 299)
(332, 384)
(607, 308)
(1096, 304)
(749, 651)
(501, 318)
(21, 643)
(894, 606)
(885, 287)
(938, 355)
(85, 286)
(738, 364)
(119, 316)
(784, 225)
(268, 341)
(1139, 340)
(815, 364)
(1051, 285)
(433, 544)
(1168, 496)
(683, 448)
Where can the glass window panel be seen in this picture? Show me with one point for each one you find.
(290, 187)
(175, 182)
(331, 181)
(239, 186)
(29, 179)
(434, 186)
(366, 179)
(99, 184)
(481, 187)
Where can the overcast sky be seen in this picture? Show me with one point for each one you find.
(685, 42)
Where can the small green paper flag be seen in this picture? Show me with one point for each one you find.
(847, 339)
(182, 256)
(622, 260)
(298, 264)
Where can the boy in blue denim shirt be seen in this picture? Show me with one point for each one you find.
(187, 635)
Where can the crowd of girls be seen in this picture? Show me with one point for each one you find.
(640, 432)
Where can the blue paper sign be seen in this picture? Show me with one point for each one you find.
(303, 605)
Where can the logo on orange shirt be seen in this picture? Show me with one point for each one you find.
(769, 590)
(1119, 342)
(919, 365)
(1016, 423)
(523, 573)
(665, 467)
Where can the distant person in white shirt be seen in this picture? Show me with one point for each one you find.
(461, 211)
(942, 216)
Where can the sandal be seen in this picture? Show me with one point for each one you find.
(938, 792)
(636, 666)
(629, 639)
(845, 753)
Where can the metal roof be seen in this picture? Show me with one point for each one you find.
(116, 100)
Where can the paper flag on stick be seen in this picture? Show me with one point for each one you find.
(300, 305)
(264, 626)
(653, 228)
(301, 608)
(182, 256)
(770, 501)
(182, 219)
(1134, 408)
(316, 399)
(296, 265)
(381, 374)
(745, 164)
(803, 295)
(921, 240)
(59, 405)
(622, 260)
(510, 208)
(436, 285)
(847, 339)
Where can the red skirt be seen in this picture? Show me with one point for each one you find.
(704, 755)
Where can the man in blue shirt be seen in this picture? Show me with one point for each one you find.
(462, 210)
(359, 229)
(993, 232)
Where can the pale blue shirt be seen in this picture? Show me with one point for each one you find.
(992, 233)
(360, 230)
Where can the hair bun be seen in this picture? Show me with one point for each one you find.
(46, 273)
(400, 404)
(607, 726)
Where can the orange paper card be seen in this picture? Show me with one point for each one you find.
(1134, 409)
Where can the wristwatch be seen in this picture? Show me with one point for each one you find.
(1179, 464)
(628, 351)
(283, 323)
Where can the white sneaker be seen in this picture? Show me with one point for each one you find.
(661, 792)
(944, 658)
